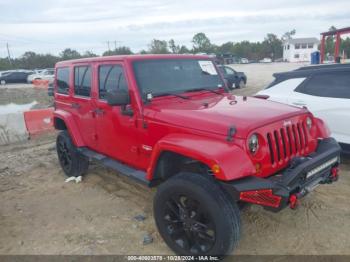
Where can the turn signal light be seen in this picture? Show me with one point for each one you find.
(263, 197)
(216, 169)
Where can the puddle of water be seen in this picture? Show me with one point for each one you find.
(15, 108)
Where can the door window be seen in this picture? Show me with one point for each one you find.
(82, 80)
(229, 71)
(63, 80)
(111, 77)
(335, 85)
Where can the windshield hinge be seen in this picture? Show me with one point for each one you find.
(230, 133)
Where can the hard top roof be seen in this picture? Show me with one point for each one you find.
(130, 58)
(313, 69)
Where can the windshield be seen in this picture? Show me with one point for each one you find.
(176, 76)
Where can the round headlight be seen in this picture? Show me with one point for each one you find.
(253, 143)
(309, 122)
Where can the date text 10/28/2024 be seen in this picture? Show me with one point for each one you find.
(172, 258)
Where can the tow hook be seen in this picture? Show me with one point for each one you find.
(334, 174)
(293, 201)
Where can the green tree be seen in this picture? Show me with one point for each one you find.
(345, 47)
(173, 47)
(158, 47)
(201, 44)
(184, 50)
(288, 35)
(330, 42)
(68, 53)
(226, 48)
(272, 46)
(89, 54)
(121, 50)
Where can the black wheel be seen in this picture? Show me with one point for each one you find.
(72, 162)
(231, 85)
(195, 216)
(241, 84)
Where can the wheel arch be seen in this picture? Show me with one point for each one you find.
(64, 121)
(205, 152)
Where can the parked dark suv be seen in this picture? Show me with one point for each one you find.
(234, 79)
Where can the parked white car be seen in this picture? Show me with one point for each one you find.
(324, 90)
(244, 61)
(46, 74)
(266, 60)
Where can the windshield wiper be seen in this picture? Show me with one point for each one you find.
(170, 94)
(204, 89)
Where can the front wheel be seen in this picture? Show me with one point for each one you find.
(72, 162)
(241, 84)
(195, 216)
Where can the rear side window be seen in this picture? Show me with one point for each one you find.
(62, 80)
(335, 85)
(287, 83)
(82, 80)
(111, 77)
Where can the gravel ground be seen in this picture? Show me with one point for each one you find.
(41, 214)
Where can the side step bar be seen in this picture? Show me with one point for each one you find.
(138, 175)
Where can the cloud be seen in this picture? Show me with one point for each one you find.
(50, 26)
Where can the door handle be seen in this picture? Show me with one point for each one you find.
(75, 105)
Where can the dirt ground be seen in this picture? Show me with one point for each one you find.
(41, 214)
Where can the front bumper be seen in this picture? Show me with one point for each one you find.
(300, 178)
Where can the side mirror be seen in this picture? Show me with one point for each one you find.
(50, 90)
(118, 98)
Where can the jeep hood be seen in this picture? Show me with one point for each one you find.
(216, 113)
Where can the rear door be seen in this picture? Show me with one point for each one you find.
(327, 96)
(82, 103)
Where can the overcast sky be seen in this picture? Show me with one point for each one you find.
(49, 26)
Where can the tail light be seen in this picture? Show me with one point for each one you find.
(263, 197)
(262, 96)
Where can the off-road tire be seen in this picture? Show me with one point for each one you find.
(79, 164)
(223, 212)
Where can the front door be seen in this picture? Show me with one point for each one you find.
(115, 125)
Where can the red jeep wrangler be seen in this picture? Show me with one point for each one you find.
(169, 121)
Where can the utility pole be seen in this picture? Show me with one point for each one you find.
(115, 45)
(8, 53)
(109, 49)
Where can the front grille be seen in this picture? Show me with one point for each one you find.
(287, 142)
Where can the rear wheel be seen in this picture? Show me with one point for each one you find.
(195, 216)
(3, 82)
(72, 162)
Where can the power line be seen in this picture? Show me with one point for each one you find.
(8, 53)
(110, 42)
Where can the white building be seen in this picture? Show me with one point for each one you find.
(299, 49)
